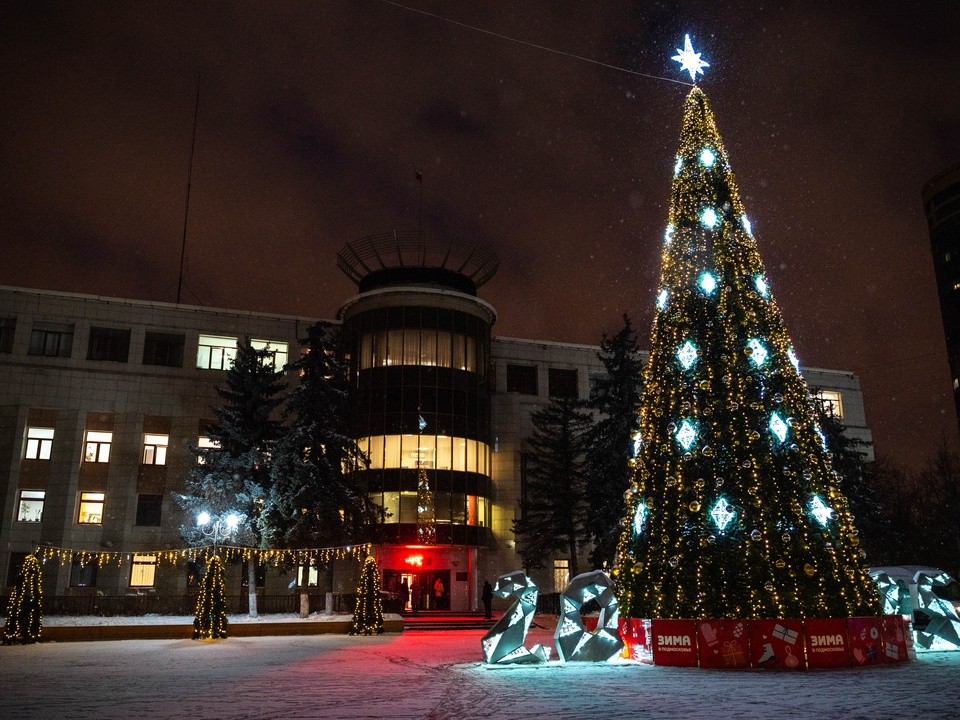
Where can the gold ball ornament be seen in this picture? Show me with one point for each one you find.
(810, 570)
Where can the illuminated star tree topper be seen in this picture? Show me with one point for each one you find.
(690, 60)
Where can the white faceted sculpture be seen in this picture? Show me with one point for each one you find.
(503, 643)
(573, 641)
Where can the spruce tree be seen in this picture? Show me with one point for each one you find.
(368, 613)
(553, 510)
(234, 476)
(313, 500)
(25, 605)
(735, 509)
(610, 442)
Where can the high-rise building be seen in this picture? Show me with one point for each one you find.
(941, 203)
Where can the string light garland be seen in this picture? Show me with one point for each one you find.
(732, 454)
(210, 622)
(368, 613)
(272, 557)
(25, 605)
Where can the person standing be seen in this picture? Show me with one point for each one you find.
(487, 597)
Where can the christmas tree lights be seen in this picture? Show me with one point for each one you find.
(731, 455)
(368, 613)
(210, 622)
(25, 605)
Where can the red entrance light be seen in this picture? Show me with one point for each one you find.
(414, 560)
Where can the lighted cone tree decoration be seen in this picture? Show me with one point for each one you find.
(25, 605)
(368, 614)
(210, 622)
(734, 510)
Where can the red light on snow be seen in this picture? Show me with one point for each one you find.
(414, 560)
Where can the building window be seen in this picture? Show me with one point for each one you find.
(155, 449)
(51, 339)
(83, 574)
(163, 349)
(476, 510)
(108, 344)
(98, 446)
(215, 352)
(144, 570)
(562, 383)
(39, 443)
(278, 351)
(313, 575)
(561, 575)
(205, 443)
(830, 401)
(420, 346)
(149, 510)
(439, 452)
(31, 506)
(91, 508)
(522, 379)
(7, 327)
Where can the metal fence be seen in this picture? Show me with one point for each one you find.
(136, 605)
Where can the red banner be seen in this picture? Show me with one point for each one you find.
(827, 642)
(777, 644)
(866, 640)
(637, 640)
(894, 631)
(674, 643)
(724, 643)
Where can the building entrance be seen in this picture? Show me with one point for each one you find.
(419, 589)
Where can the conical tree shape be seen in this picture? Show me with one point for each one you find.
(210, 622)
(25, 605)
(734, 510)
(368, 614)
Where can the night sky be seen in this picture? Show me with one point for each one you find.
(315, 116)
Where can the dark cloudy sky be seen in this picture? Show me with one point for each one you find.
(314, 117)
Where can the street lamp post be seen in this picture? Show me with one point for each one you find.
(220, 528)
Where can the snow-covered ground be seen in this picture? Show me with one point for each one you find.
(434, 675)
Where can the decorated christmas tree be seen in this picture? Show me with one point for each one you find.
(368, 614)
(734, 509)
(24, 607)
(210, 622)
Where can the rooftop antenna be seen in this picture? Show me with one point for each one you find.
(419, 176)
(186, 210)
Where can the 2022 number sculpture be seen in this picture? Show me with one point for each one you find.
(504, 643)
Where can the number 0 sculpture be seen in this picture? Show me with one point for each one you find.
(573, 641)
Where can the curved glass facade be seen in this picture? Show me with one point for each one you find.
(414, 365)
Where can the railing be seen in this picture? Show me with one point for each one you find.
(137, 605)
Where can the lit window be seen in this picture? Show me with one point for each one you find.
(956, 285)
(440, 452)
(277, 349)
(312, 575)
(91, 508)
(205, 443)
(39, 443)
(561, 575)
(155, 449)
(215, 352)
(98, 446)
(31, 506)
(144, 570)
(831, 402)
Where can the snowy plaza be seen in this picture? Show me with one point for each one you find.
(435, 675)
